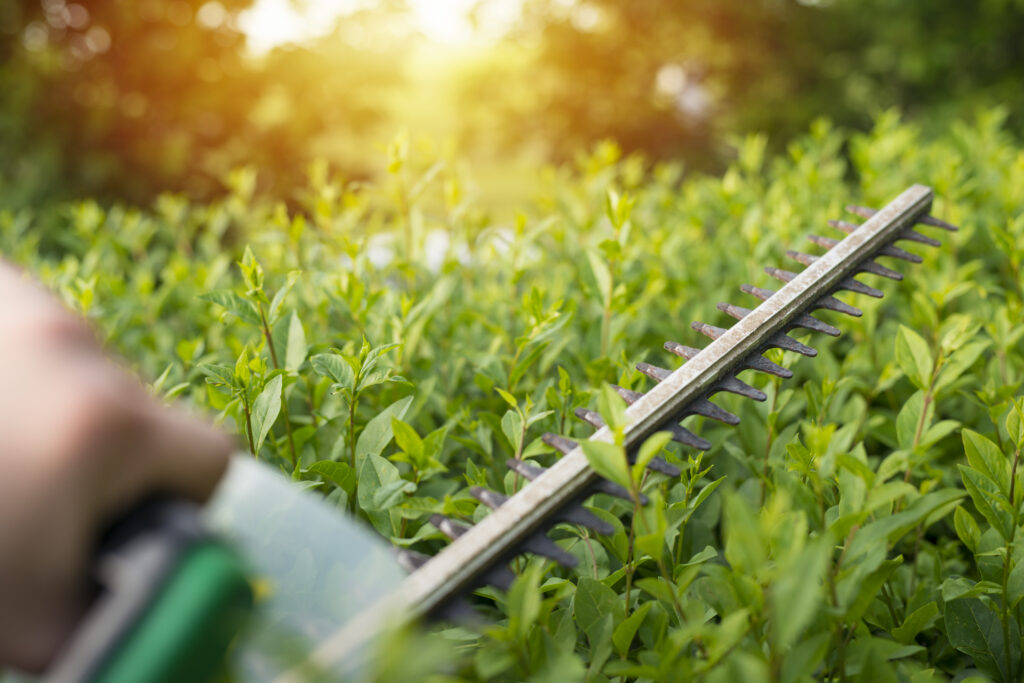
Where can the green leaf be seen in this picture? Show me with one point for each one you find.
(985, 457)
(378, 432)
(1015, 585)
(407, 439)
(339, 473)
(917, 621)
(608, 460)
(275, 305)
(524, 602)
(966, 528)
(624, 633)
(908, 420)
(265, 410)
(650, 448)
(612, 408)
(592, 602)
(512, 428)
(602, 276)
(989, 500)
(959, 362)
(295, 350)
(973, 627)
(336, 368)
(914, 357)
(235, 304)
(796, 595)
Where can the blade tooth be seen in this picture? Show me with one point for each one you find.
(868, 212)
(858, 287)
(590, 417)
(687, 352)
(448, 527)
(708, 330)
(491, 499)
(605, 486)
(826, 242)
(911, 235)
(779, 274)
(653, 371)
(540, 544)
(833, 304)
(787, 343)
(577, 514)
(499, 576)
(525, 469)
(628, 395)
(457, 610)
(735, 386)
(684, 436)
(801, 257)
(737, 312)
(706, 408)
(809, 322)
(762, 364)
(845, 226)
(896, 252)
(657, 464)
(410, 559)
(760, 293)
(559, 443)
(876, 269)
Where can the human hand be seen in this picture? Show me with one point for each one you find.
(81, 441)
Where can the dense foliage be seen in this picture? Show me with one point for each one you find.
(392, 345)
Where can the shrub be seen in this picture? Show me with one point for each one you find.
(860, 523)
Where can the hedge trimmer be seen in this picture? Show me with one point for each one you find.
(478, 555)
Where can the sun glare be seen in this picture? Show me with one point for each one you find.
(269, 23)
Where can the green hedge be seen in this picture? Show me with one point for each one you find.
(860, 523)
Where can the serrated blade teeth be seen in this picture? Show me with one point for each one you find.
(653, 371)
(845, 226)
(809, 322)
(684, 436)
(801, 257)
(540, 544)
(708, 330)
(605, 486)
(762, 364)
(499, 576)
(875, 269)
(833, 304)
(737, 312)
(491, 499)
(410, 559)
(787, 343)
(559, 443)
(896, 252)
(735, 386)
(780, 274)
(911, 235)
(706, 408)
(628, 395)
(576, 514)
(867, 212)
(447, 527)
(824, 242)
(759, 292)
(525, 468)
(687, 352)
(858, 287)
(590, 417)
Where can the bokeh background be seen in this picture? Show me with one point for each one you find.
(124, 99)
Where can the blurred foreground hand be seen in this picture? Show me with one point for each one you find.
(80, 442)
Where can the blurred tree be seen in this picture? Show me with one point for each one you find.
(670, 77)
(127, 98)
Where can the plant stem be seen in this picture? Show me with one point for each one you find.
(248, 425)
(629, 555)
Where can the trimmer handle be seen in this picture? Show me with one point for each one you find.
(170, 600)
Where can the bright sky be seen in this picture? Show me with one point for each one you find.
(270, 23)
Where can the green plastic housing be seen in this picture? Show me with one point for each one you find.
(189, 626)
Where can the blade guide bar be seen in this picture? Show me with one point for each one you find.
(454, 569)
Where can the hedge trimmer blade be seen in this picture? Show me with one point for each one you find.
(478, 555)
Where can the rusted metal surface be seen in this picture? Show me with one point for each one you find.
(518, 523)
